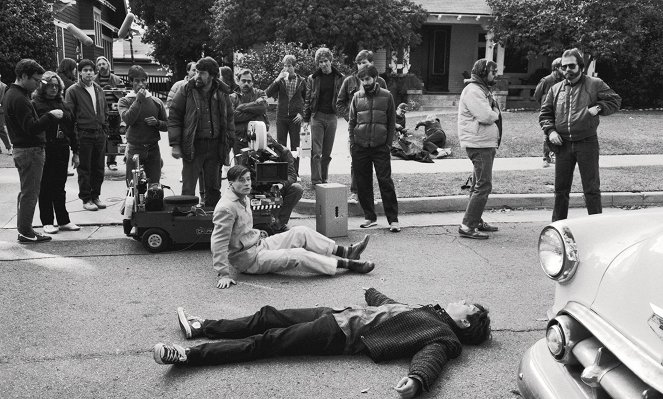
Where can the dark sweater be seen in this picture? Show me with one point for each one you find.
(66, 124)
(133, 113)
(26, 128)
(325, 102)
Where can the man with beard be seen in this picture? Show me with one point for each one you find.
(87, 103)
(250, 104)
(107, 80)
(569, 117)
(480, 133)
(200, 128)
(541, 90)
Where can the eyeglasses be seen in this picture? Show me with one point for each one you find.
(494, 71)
(52, 86)
(569, 66)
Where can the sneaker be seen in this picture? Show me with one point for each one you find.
(70, 227)
(112, 167)
(546, 163)
(353, 198)
(472, 233)
(368, 223)
(50, 229)
(357, 249)
(361, 267)
(192, 326)
(90, 206)
(483, 226)
(35, 238)
(169, 354)
(394, 227)
(99, 204)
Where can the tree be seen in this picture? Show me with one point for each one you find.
(347, 25)
(178, 30)
(26, 31)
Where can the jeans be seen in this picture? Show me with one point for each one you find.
(546, 151)
(286, 127)
(482, 184)
(52, 195)
(364, 160)
(206, 160)
(586, 154)
(323, 132)
(270, 333)
(91, 152)
(291, 196)
(149, 156)
(30, 165)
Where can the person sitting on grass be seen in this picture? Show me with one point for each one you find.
(435, 139)
(384, 330)
(236, 243)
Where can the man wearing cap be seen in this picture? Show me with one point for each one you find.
(107, 80)
(200, 129)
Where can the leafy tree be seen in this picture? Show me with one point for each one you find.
(26, 31)
(178, 30)
(265, 63)
(347, 25)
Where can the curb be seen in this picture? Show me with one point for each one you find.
(458, 203)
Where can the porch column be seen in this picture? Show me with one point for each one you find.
(489, 46)
(500, 59)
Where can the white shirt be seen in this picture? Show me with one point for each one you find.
(93, 95)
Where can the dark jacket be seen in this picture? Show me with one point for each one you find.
(372, 118)
(288, 108)
(427, 334)
(79, 102)
(247, 109)
(565, 108)
(183, 119)
(66, 124)
(313, 92)
(350, 86)
(544, 85)
(284, 155)
(67, 82)
(3, 90)
(26, 128)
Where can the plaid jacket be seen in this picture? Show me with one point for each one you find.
(424, 333)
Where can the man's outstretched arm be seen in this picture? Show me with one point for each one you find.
(425, 368)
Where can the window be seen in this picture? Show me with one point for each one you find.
(515, 60)
(97, 27)
(108, 51)
(59, 43)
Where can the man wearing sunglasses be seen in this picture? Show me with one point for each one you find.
(569, 117)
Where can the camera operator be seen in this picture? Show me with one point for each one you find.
(291, 191)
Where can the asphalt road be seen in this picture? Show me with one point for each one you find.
(80, 317)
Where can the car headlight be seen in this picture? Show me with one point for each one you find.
(558, 254)
(562, 335)
(555, 340)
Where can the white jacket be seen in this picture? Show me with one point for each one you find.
(476, 118)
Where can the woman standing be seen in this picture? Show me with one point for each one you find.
(59, 137)
(67, 72)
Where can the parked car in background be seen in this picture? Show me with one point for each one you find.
(604, 337)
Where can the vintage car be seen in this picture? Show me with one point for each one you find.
(604, 337)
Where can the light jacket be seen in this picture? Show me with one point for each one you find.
(372, 118)
(350, 86)
(183, 119)
(313, 92)
(565, 108)
(478, 113)
(288, 108)
(234, 241)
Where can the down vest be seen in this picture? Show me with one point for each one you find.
(372, 118)
(183, 119)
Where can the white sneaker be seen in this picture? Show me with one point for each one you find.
(70, 227)
(50, 229)
(353, 198)
(90, 206)
(112, 167)
(99, 204)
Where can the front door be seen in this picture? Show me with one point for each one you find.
(436, 40)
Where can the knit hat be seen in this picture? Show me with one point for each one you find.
(101, 57)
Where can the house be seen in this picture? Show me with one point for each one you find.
(98, 19)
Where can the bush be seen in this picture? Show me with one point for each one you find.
(265, 62)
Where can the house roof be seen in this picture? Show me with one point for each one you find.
(476, 7)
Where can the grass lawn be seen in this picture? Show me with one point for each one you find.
(630, 179)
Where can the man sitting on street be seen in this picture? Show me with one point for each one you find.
(236, 243)
(383, 330)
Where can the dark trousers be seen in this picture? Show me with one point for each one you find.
(364, 160)
(52, 196)
(434, 141)
(323, 133)
(110, 160)
(149, 157)
(269, 333)
(30, 165)
(482, 184)
(586, 154)
(207, 160)
(291, 196)
(91, 151)
(286, 127)
(546, 150)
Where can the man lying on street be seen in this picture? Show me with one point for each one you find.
(236, 243)
(383, 330)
